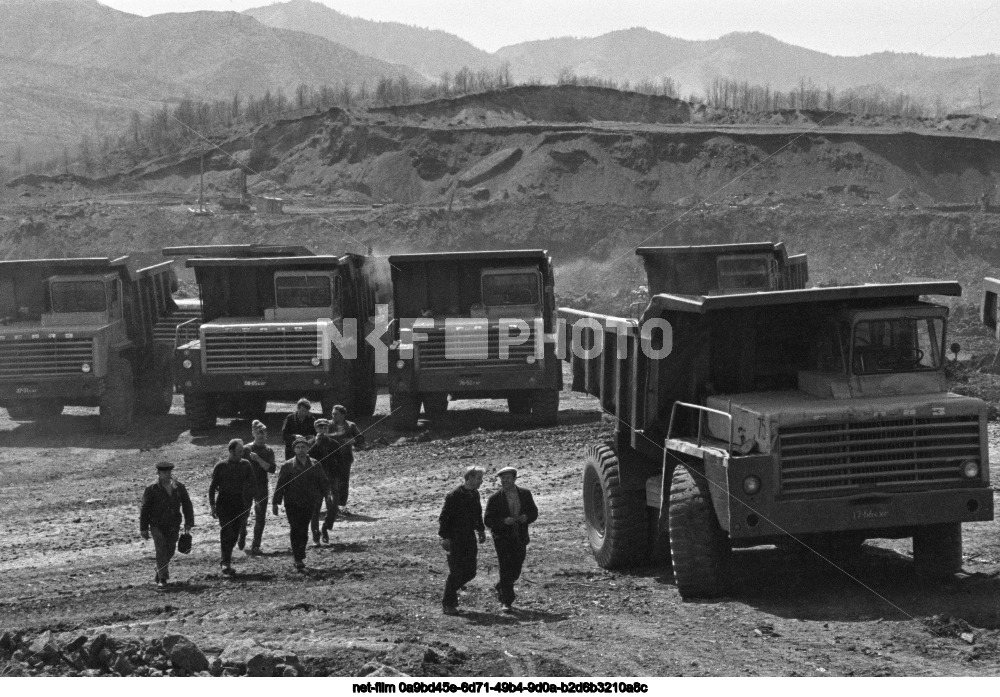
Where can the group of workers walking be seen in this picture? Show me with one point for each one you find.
(319, 453)
(317, 467)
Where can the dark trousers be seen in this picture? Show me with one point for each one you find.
(259, 518)
(165, 542)
(298, 529)
(342, 481)
(231, 523)
(461, 570)
(510, 559)
(328, 521)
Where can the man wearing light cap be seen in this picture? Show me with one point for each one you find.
(324, 452)
(459, 525)
(160, 517)
(301, 484)
(509, 512)
(263, 463)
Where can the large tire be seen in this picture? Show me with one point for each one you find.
(435, 405)
(937, 550)
(156, 394)
(615, 518)
(519, 404)
(404, 410)
(200, 412)
(545, 407)
(118, 401)
(699, 548)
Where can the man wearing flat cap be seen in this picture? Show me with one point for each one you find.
(324, 452)
(509, 512)
(301, 486)
(160, 517)
(459, 526)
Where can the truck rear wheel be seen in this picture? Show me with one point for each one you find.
(519, 404)
(118, 401)
(699, 548)
(331, 399)
(435, 404)
(156, 394)
(615, 518)
(545, 407)
(404, 410)
(200, 412)
(937, 550)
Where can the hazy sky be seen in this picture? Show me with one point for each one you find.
(840, 27)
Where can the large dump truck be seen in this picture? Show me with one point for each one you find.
(272, 317)
(750, 410)
(81, 332)
(472, 325)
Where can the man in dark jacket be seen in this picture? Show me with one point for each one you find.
(231, 495)
(160, 516)
(263, 464)
(459, 525)
(346, 435)
(509, 512)
(299, 423)
(324, 452)
(301, 484)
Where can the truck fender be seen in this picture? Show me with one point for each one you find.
(714, 467)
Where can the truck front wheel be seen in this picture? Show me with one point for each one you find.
(157, 393)
(615, 518)
(436, 404)
(699, 548)
(937, 550)
(545, 407)
(519, 404)
(118, 401)
(404, 410)
(200, 412)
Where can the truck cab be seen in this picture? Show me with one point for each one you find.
(272, 319)
(472, 325)
(81, 332)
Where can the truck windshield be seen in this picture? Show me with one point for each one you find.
(303, 291)
(899, 345)
(510, 289)
(78, 296)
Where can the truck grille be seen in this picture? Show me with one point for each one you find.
(838, 458)
(471, 348)
(42, 358)
(267, 349)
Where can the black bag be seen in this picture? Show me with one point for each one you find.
(184, 543)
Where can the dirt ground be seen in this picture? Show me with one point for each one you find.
(71, 561)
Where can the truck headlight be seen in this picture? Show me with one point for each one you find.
(400, 364)
(187, 363)
(970, 469)
(314, 360)
(751, 485)
(530, 359)
(85, 367)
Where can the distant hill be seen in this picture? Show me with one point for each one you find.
(430, 52)
(759, 59)
(71, 63)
